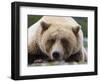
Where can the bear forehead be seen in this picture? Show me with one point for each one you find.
(59, 29)
(59, 33)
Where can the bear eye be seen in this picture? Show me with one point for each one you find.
(49, 44)
(63, 40)
(51, 41)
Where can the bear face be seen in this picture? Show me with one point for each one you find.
(59, 41)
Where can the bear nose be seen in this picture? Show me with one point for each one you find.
(56, 55)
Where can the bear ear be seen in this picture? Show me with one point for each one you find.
(76, 29)
(44, 25)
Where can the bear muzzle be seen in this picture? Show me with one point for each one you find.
(56, 55)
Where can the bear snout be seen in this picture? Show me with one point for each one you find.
(56, 55)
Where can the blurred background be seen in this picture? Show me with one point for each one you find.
(83, 21)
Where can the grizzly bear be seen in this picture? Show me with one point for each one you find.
(56, 39)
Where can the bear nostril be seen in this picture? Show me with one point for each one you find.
(56, 55)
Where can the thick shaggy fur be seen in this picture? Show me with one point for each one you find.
(62, 34)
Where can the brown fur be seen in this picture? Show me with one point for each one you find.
(54, 30)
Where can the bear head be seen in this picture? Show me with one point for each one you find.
(58, 41)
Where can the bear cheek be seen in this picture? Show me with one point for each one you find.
(48, 48)
(67, 50)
